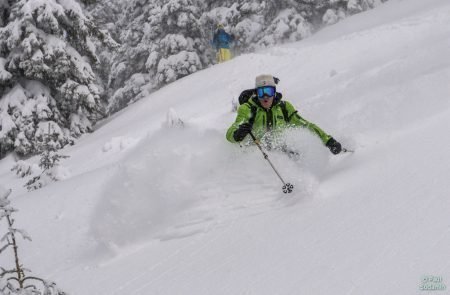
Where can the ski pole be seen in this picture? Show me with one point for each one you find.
(287, 187)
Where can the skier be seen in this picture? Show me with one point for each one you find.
(263, 111)
(221, 42)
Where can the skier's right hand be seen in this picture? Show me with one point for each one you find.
(242, 131)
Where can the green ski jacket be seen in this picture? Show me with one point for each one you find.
(273, 119)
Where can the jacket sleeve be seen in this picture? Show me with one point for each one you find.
(243, 116)
(296, 120)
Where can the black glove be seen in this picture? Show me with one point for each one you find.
(334, 146)
(242, 131)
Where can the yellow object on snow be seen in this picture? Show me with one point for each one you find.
(224, 54)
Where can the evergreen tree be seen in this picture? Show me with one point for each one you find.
(163, 42)
(48, 162)
(106, 14)
(47, 72)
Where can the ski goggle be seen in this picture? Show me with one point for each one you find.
(265, 91)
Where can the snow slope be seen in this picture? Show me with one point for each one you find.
(149, 209)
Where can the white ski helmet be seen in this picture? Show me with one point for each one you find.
(265, 80)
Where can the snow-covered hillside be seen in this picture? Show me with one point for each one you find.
(148, 209)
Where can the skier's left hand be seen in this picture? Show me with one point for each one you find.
(334, 146)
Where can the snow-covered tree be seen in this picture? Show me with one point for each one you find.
(47, 72)
(332, 16)
(106, 14)
(49, 165)
(162, 41)
(356, 6)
